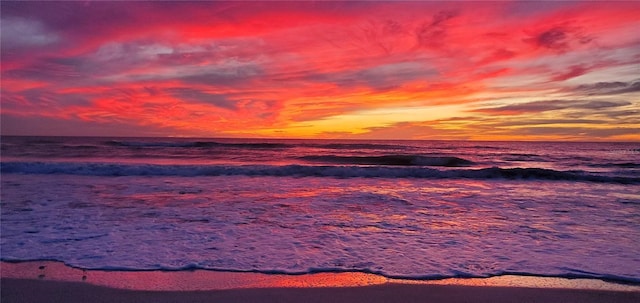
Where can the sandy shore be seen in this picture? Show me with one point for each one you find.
(54, 282)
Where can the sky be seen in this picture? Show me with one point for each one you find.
(459, 70)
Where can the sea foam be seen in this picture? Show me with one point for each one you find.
(347, 171)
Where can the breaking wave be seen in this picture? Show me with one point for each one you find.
(399, 160)
(111, 169)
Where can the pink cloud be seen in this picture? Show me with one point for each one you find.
(199, 67)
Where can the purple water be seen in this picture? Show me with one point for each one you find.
(409, 209)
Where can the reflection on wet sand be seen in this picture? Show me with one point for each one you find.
(218, 280)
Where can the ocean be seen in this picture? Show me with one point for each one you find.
(402, 209)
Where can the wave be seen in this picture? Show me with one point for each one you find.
(398, 160)
(111, 169)
(567, 273)
(621, 165)
(358, 146)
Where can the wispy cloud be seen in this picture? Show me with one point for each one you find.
(304, 69)
(609, 88)
(551, 105)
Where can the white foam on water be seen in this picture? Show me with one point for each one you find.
(405, 228)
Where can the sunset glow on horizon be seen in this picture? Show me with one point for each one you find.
(462, 70)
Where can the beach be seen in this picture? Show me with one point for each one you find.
(55, 282)
(226, 220)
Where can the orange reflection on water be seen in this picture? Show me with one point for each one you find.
(182, 280)
(217, 280)
(526, 281)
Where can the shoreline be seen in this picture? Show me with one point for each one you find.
(204, 280)
(36, 291)
(48, 281)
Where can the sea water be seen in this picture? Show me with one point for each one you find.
(403, 209)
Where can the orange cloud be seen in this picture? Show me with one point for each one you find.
(317, 68)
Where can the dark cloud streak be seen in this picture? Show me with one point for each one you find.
(432, 34)
(559, 38)
(609, 88)
(550, 105)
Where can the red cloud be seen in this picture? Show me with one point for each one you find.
(203, 67)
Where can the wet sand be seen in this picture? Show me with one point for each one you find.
(55, 282)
